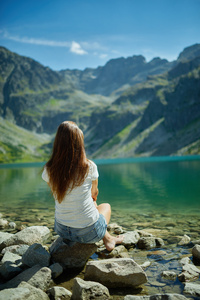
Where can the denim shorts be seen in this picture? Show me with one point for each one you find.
(88, 235)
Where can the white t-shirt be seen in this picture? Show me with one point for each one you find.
(77, 209)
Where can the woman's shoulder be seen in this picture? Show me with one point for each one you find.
(93, 169)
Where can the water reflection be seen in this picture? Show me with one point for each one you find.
(145, 187)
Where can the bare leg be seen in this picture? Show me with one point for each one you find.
(109, 240)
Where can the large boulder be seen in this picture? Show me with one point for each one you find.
(28, 236)
(120, 272)
(36, 254)
(87, 290)
(5, 236)
(71, 255)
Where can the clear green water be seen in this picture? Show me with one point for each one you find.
(137, 186)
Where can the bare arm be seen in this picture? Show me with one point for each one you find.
(94, 189)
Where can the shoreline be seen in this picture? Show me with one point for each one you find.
(179, 235)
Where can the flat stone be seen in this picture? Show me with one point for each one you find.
(29, 236)
(72, 255)
(192, 289)
(36, 254)
(120, 272)
(87, 290)
(59, 293)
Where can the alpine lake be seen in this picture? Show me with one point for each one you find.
(160, 195)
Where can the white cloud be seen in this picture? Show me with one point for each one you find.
(102, 56)
(76, 48)
(43, 42)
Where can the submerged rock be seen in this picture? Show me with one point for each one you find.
(121, 272)
(169, 275)
(87, 290)
(156, 297)
(192, 289)
(72, 255)
(189, 272)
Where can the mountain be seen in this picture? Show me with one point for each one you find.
(129, 107)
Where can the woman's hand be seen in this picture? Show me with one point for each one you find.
(94, 190)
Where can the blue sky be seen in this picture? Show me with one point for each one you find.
(75, 34)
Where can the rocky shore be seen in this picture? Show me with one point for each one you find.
(159, 259)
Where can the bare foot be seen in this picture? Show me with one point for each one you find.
(110, 241)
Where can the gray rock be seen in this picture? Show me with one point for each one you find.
(192, 289)
(196, 252)
(35, 276)
(130, 239)
(29, 236)
(16, 294)
(12, 225)
(9, 270)
(118, 252)
(144, 233)
(10, 265)
(185, 261)
(185, 240)
(11, 257)
(16, 249)
(23, 292)
(150, 242)
(145, 264)
(5, 236)
(59, 293)
(87, 290)
(34, 292)
(56, 270)
(156, 297)
(169, 275)
(3, 223)
(120, 272)
(36, 255)
(115, 228)
(190, 272)
(72, 255)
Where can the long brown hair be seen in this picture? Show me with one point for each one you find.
(68, 165)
